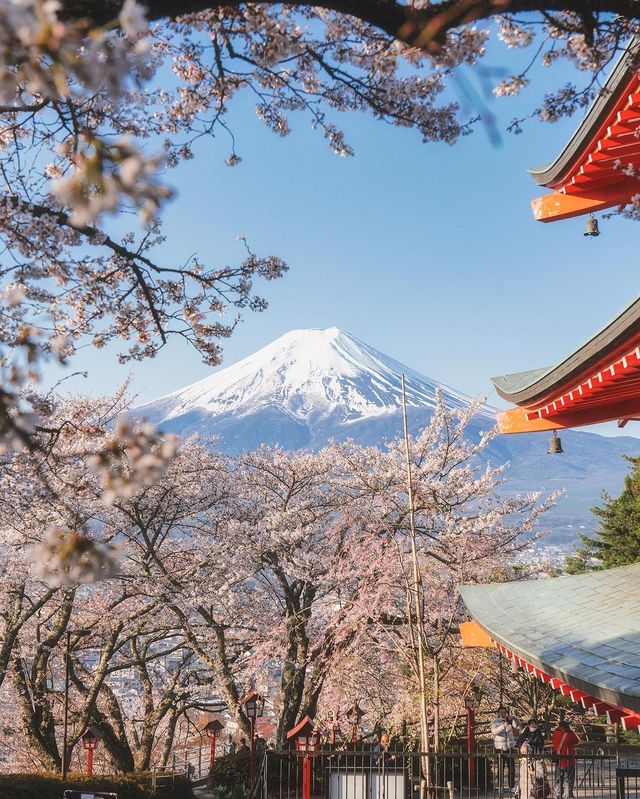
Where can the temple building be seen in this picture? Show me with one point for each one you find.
(598, 382)
(578, 633)
(597, 168)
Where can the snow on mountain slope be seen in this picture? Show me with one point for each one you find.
(311, 386)
(309, 375)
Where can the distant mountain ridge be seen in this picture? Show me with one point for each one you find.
(311, 386)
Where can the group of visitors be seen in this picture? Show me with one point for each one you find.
(231, 748)
(510, 737)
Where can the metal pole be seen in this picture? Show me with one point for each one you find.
(89, 762)
(212, 753)
(65, 723)
(417, 596)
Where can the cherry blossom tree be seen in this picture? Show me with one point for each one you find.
(120, 640)
(270, 573)
(467, 531)
(90, 127)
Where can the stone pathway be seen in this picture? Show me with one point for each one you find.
(202, 791)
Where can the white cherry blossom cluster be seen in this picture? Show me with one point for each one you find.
(511, 86)
(103, 175)
(68, 557)
(513, 34)
(564, 102)
(133, 457)
(43, 57)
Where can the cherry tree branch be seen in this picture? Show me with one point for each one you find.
(419, 27)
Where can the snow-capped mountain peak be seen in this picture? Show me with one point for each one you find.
(308, 374)
(311, 386)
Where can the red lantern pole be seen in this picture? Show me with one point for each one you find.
(471, 743)
(212, 729)
(253, 705)
(307, 742)
(306, 777)
(89, 742)
(353, 716)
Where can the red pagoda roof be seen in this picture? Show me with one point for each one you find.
(598, 382)
(590, 174)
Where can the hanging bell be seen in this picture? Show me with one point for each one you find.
(592, 227)
(555, 445)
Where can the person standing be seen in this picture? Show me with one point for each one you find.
(504, 742)
(531, 780)
(244, 747)
(533, 735)
(381, 752)
(564, 741)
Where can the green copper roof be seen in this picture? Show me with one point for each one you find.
(512, 384)
(583, 629)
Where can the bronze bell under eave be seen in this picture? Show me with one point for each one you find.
(592, 227)
(555, 445)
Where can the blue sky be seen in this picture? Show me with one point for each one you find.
(427, 252)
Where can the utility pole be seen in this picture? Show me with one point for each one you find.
(417, 597)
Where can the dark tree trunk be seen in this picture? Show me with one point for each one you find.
(419, 27)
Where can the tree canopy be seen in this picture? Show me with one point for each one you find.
(617, 540)
(286, 567)
(100, 101)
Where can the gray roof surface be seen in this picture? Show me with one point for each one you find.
(583, 629)
(519, 381)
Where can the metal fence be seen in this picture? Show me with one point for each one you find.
(628, 783)
(334, 774)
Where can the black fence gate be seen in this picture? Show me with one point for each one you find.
(348, 774)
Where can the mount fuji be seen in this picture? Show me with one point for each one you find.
(311, 386)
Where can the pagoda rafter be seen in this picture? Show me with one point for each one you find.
(598, 167)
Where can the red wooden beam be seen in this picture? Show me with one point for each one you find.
(556, 206)
(514, 420)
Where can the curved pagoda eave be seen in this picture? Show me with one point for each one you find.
(591, 174)
(534, 387)
(583, 629)
(553, 173)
